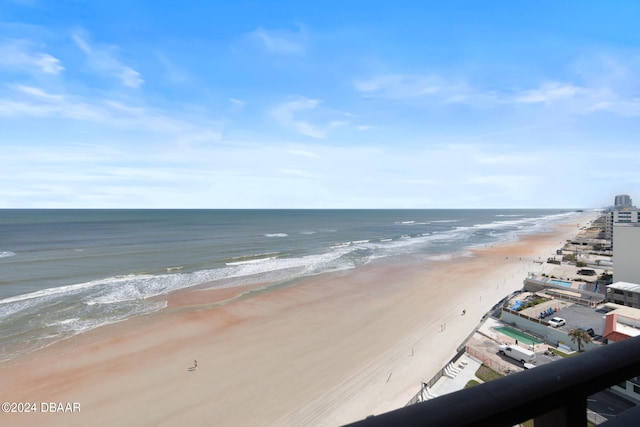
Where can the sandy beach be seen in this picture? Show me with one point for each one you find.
(325, 351)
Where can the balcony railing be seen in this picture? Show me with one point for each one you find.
(554, 395)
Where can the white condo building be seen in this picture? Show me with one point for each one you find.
(625, 216)
(625, 252)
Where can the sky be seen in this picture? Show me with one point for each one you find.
(324, 104)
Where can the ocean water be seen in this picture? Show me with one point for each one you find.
(63, 272)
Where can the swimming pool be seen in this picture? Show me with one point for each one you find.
(561, 283)
(517, 335)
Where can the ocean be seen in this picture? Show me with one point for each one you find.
(63, 272)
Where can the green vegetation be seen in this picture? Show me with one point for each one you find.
(533, 303)
(471, 383)
(569, 257)
(486, 374)
(579, 336)
(581, 264)
(606, 276)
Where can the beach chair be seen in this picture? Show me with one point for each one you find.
(449, 373)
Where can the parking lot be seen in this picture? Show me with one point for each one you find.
(578, 316)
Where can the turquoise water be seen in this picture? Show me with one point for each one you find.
(517, 335)
(561, 283)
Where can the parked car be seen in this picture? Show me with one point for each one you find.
(589, 331)
(557, 321)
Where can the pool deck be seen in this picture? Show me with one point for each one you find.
(467, 365)
(556, 304)
(447, 384)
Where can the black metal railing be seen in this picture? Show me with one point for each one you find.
(554, 395)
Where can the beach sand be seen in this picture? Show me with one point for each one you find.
(325, 351)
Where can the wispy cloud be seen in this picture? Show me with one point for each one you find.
(572, 99)
(566, 97)
(285, 114)
(403, 86)
(280, 42)
(38, 93)
(237, 104)
(550, 92)
(21, 54)
(33, 102)
(102, 58)
(174, 72)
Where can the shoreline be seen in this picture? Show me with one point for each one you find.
(326, 350)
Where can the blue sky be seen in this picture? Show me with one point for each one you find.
(332, 104)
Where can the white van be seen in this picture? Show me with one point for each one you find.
(518, 353)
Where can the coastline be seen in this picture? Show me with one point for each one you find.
(328, 350)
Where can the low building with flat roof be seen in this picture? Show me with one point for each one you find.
(624, 293)
(621, 323)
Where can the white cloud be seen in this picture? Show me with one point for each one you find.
(237, 104)
(280, 42)
(103, 59)
(130, 77)
(338, 123)
(174, 72)
(21, 54)
(402, 86)
(83, 45)
(33, 102)
(38, 93)
(562, 97)
(285, 115)
(568, 98)
(550, 92)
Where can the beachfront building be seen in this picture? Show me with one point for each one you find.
(629, 215)
(622, 323)
(622, 201)
(625, 259)
(624, 293)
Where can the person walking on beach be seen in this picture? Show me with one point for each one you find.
(195, 365)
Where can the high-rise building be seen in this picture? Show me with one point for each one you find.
(622, 212)
(622, 201)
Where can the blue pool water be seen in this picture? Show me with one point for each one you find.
(561, 283)
(518, 335)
